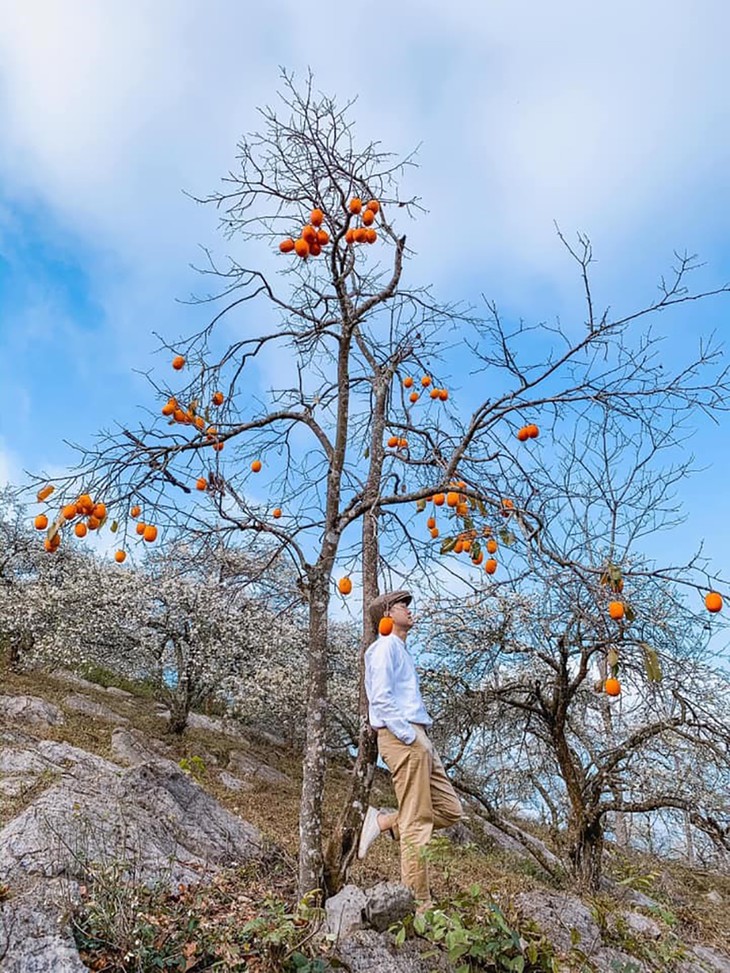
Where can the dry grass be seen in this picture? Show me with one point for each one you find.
(686, 896)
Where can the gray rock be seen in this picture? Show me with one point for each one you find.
(367, 951)
(120, 693)
(64, 756)
(134, 747)
(714, 897)
(14, 786)
(273, 739)
(460, 834)
(153, 814)
(710, 961)
(82, 704)
(30, 709)
(610, 960)
(233, 783)
(32, 939)
(153, 820)
(637, 924)
(386, 903)
(199, 721)
(21, 769)
(560, 916)
(624, 893)
(254, 770)
(513, 845)
(27, 762)
(70, 677)
(344, 912)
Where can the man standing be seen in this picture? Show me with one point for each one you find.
(426, 797)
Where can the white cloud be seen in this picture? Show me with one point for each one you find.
(601, 119)
(609, 119)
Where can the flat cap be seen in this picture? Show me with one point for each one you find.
(383, 603)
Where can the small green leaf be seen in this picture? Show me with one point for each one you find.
(612, 658)
(420, 505)
(629, 613)
(507, 537)
(447, 545)
(114, 527)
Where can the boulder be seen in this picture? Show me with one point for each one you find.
(133, 747)
(234, 783)
(635, 923)
(387, 903)
(199, 721)
(563, 918)
(14, 786)
(513, 845)
(25, 762)
(708, 961)
(70, 677)
(460, 834)
(34, 934)
(119, 693)
(152, 816)
(344, 912)
(100, 711)
(610, 960)
(22, 768)
(367, 951)
(64, 756)
(30, 709)
(254, 770)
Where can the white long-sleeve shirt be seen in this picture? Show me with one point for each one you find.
(391, 684)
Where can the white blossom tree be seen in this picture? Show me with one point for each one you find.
(583, 613)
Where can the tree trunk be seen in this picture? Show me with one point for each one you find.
(178, 717)
(178, 698)
(586, 855)
(17, 644)
(618, 819)
(314, 766)
(342, 846)
(585, 827)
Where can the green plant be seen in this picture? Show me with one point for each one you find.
(129, 925)
(237, 923)
(195, 766)
(108, 677)
(661, 954)
(472, 930)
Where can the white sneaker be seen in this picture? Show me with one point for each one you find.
(370, 831)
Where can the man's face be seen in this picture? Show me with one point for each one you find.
(400, 612)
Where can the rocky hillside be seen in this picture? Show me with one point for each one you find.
(124, 848)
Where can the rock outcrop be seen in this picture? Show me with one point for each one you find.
(153, 817)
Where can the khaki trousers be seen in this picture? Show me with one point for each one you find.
(426, 800)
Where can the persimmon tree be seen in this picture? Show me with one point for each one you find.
(313, 401)
(538, 652)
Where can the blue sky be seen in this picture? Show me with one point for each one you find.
(606, 118)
